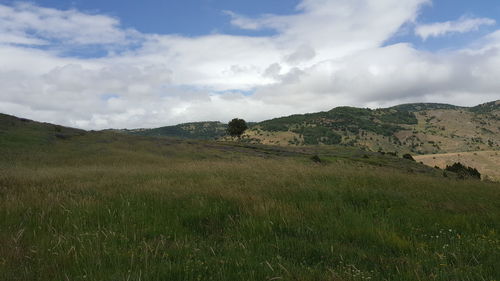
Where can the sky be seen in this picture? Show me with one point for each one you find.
(96, 64)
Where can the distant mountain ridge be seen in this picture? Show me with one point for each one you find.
(193, 130)
(412, 107)
(417, 128)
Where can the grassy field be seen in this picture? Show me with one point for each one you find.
(104, 206)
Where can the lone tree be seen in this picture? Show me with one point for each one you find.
(236, 127)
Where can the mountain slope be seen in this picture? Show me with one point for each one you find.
(194, 130)
(411, 128)
(418, 128)
(21, 132)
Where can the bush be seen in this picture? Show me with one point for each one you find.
(408, 156)
(62, 136)
(463, 171)
(316, 159)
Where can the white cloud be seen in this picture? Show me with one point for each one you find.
(335, 28)
(328, 53)
(27, 24)
(462, 25)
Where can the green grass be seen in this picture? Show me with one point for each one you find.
(105, 206)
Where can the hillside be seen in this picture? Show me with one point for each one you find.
(111, 206)
(420, 128)
(21, 133)
(411, 128)
(194, 130)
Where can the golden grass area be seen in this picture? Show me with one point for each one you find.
(486, 162)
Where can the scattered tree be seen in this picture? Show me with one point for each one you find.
(236, 127)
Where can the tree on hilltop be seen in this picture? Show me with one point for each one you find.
(236, 127)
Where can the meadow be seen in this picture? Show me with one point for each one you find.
(106, 206)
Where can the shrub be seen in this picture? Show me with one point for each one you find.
(316, 159)
(463, 171)
(62, 136)
(408, 156)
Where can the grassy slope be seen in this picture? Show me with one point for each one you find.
(18, 133)
(104, 206)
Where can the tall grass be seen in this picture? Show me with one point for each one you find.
(145, 210)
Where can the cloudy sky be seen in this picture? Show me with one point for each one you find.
(97, 64)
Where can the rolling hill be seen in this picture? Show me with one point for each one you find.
(78, 205)
(411, 128)
(429, 130)
(420, 128)
(22, 132)
(195, 130)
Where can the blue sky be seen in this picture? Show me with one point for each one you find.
(100, 64)
(187, 17)
(201, 17)
(449, 10)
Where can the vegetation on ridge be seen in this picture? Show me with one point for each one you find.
(194, 130)
(418, 129)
